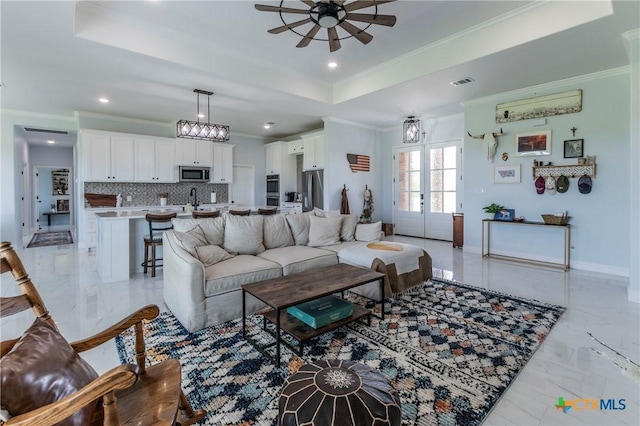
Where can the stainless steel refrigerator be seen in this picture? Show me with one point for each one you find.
(312, 190)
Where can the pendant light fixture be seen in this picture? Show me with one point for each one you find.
(411, 130)
(205, 131)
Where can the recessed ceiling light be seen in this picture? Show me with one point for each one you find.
(51, 141)
(104, 100)
(200, 115)
(269, 124)
(332, 64)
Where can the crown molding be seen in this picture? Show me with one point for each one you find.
(80, 114)
(350, 123)
(554, 85)
(631, 34)
(38, 115)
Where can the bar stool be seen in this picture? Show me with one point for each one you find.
(201, 214)
(267, 211)
(240, 212)
(158, 223)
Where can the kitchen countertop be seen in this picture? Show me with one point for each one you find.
(140, 212)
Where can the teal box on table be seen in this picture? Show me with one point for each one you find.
(320, 312)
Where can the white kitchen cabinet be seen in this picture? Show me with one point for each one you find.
(313, 158)
(194, 152)
(279, 162)
(222, 163)
(108, 157)
(155, 160)
(274, 158)
(296, 147)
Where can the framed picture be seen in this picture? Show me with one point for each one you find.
(62, 205)
(573, 148)
(60, 182)
(506, 174)
(533, 143)
(505, 215)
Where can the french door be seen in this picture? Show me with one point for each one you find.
(409, 191)
(443, 162)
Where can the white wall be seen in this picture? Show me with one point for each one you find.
(342, 138)
(600, 220)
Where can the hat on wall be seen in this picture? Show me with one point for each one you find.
(540, 185)
(550, 185)
(584, 184)
(562, 184)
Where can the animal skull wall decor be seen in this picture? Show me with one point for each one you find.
(489, 143)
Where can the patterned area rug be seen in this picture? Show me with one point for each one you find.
(449, 349)
(42, 239)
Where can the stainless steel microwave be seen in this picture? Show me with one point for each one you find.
(194, 174)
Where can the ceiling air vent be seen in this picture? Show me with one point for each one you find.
(57, 132)
(462, 81)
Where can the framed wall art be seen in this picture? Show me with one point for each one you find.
(506, 174)
(62, 205)
(505, 215)
(60, 182)
(541, 106)
(533, 143)
(574, 148)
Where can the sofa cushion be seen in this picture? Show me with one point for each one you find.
(325, 213)
(348, 230)
(243, 234)
(43, 368)
(191, 239)
(213, 228)
(210, 254)
(324, 231)
(368, 231)
(229, 275)
(299, 224)
(343, 244)
(277, 232)
(294, 259)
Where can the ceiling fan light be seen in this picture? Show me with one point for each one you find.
(328, 20)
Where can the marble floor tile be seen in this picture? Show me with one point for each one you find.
(569, 363)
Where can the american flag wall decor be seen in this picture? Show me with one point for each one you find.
(358, 163)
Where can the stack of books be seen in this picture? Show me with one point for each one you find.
(320, 312)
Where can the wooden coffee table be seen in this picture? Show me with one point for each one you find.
(280, 293)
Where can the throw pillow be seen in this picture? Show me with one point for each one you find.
(191, 239)
(324, 231)
(368, 231)
(348, 230)
(243, 234)
(43, 368)
(299, 224)
(210, 255)
(277, 232)
(213, 228)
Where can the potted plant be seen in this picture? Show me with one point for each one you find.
(492, 209)
(163, 198)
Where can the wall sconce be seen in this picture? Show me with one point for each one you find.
(411, 130)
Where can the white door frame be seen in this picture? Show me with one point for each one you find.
(409, 223)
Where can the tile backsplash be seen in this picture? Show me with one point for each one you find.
(147, 194)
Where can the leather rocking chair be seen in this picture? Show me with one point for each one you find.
(45, 382)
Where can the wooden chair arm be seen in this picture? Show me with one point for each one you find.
(149, 312)
(117, 378)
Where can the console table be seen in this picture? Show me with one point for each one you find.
(488, 223)
(49, 214)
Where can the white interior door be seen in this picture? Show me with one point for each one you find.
(242, 190)
(442, 180)
(408, 204)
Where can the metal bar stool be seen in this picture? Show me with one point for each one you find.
(240, 212)
(201, 214)
(267, 211)
(158, 223)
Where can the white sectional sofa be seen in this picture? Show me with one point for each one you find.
(206, 261)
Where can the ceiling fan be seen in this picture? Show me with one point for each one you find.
(331, 14)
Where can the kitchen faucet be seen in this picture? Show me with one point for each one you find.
(194, 192)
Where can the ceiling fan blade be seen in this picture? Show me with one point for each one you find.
(267, 8)
(284, 28)
(309, 3)
(309, 36)
(334, 41)
(356, 5)
(387, 20)
(356, 32)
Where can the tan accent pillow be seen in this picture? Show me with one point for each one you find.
(299, 224)
(277, 232)
(213, 228)
(191, 239)
(324, 231)
(43, 368)
(210, 255)
(348, 230)
(368, 231)
(243, 234)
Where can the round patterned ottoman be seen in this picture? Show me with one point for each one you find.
(338, 393)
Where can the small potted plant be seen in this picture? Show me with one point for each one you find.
(492, 209)
(163, 198)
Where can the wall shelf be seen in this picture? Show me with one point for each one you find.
(570, 171)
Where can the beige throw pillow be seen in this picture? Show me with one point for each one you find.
(368, 231)
(243, 234)
(324, 231)
(277, 232)
(191, 239)
(348, 230)
(213, 228)
(210, 255)
(299, 224)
